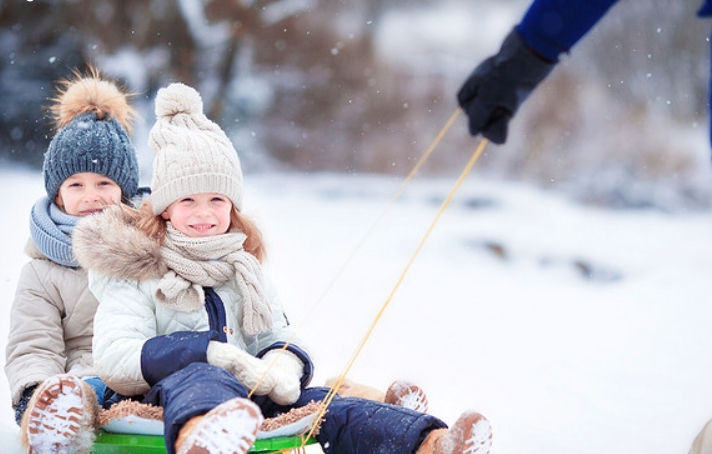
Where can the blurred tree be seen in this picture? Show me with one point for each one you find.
(45, 40)
(303, 79)
(302, 84)
(32, 45)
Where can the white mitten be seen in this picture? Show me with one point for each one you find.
(287, 372)
(245, 367)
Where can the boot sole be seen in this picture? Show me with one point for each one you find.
(55, 418)
(408, 395)
(231, 427)
(474, 434)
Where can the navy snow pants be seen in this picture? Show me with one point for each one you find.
(351, 425)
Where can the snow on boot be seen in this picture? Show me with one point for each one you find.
(60, 418)
(471, 434)
(405, 394)
(231, 427)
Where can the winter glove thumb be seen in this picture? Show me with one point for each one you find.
(286, 370)
(499, 85)
(245, 367)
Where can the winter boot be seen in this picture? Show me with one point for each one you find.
(60, 418)
(405, 394)
(231, 427)
(471, 434)
(401, 393)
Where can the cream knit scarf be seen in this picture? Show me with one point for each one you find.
(195, 263)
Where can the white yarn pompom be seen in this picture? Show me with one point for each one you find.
(176, 99)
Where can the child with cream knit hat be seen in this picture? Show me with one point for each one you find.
(189, 321)
(89, 164)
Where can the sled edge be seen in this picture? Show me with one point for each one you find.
(111, 443)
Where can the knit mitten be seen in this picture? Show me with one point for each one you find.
(287, 371)
(249, 370)
(60, 417)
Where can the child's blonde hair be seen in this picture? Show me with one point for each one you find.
(154, 226)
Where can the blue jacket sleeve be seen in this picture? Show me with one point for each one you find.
(552, 27)
(301, 354)
(706, 9)
(163, 355)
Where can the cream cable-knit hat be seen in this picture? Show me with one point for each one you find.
(192, 154)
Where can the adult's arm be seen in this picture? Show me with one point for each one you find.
(552, 27)
(492, 94)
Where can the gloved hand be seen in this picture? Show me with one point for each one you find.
(287, 372)
(499, 85)
(245, 367)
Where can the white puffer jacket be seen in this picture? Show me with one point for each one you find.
(129, 315)
(125, 267)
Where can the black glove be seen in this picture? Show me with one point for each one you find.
(496, 88)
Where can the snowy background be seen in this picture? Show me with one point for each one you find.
(363, 85)
(572, 329)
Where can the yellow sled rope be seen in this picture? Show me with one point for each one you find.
(339, 381)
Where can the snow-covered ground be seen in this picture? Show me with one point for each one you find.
(572, 329)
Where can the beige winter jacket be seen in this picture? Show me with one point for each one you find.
(51, 324)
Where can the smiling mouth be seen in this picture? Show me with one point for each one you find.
(92, 211)
(202, 227)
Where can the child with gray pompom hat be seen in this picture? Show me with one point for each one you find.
(90, 164)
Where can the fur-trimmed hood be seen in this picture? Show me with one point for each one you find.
(110, 243)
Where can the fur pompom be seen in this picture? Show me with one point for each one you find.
(91, 93)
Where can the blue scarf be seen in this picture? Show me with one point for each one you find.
(51, 230)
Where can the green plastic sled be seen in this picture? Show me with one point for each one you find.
(112, 443)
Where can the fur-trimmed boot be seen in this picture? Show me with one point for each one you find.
(401, 393)
(471, 434)
(61, 417)
(231, 427)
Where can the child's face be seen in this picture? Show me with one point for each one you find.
(203, 214)
(86, 193)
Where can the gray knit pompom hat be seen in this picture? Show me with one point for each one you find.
(93, 121)
(192, 154)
